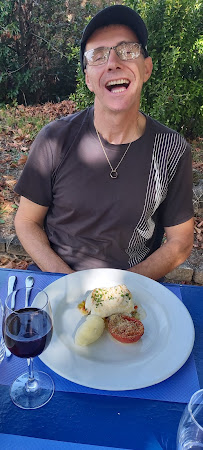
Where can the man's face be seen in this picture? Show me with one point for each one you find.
(116, 84)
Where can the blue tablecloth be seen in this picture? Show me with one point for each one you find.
(98, 419)
(11, 442)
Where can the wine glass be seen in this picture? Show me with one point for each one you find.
(27, 333)
(190, 430)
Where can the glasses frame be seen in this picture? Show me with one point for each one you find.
(108, 50)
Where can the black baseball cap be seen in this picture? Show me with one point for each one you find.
(115, 15)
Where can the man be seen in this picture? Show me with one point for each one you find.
(101, 186)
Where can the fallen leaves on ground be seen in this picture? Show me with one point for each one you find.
(51, 110)
(198, 233)
(9, 262)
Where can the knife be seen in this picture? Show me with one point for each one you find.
(11, 286)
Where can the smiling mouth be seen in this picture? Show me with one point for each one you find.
(116, 86)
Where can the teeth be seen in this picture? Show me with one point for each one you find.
(118, 90)
(121, 81)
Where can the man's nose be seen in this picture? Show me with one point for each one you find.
(113, 61)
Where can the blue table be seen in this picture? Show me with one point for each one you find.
(78, 421)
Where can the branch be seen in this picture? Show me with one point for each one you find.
(17, 70)
(43, 39)
(11, 48)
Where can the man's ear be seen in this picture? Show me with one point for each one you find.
(148, 68)
(87, 81)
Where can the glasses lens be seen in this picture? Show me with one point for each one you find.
(128, 50)
(97, 56)
(125, 51)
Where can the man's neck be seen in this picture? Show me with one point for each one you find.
(119, 127)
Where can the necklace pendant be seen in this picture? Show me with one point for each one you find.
(114, 174)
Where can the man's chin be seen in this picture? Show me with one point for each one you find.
(116, 104)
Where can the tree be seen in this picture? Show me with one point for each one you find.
(38, 49)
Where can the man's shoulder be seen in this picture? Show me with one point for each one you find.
(168, 143)
(62, 125)
(160, 128)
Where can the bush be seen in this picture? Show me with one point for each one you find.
(173, 95)
(39, 49)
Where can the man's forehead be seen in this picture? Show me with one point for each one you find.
(103, 36)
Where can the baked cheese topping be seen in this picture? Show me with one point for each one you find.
(105, 301)
(118, 325)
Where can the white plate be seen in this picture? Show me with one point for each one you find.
(107, 364)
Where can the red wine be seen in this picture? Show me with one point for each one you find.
(28, 332)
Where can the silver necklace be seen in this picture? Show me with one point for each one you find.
(113, 173)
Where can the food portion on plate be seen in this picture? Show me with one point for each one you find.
(107, 301)
(125, 329)
(114, 307)
(90, 330)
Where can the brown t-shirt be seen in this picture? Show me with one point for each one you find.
(94, 220)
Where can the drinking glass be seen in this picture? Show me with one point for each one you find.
(190, 430)
(2, 344)
(27, 333)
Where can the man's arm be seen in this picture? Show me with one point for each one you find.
(171, 254)
(29, 222)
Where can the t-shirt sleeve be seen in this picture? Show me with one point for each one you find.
(177, 208)
(36, 178)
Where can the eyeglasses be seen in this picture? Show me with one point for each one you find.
(126, 51)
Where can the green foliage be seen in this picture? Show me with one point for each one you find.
(173, 95)
(83, 97)
(39, 49)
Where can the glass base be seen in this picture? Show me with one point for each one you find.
(34, 394)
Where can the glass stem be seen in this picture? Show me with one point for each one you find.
(32, 384)
(30, 368)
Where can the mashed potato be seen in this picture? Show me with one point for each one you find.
(105, 301)
(90, 330)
